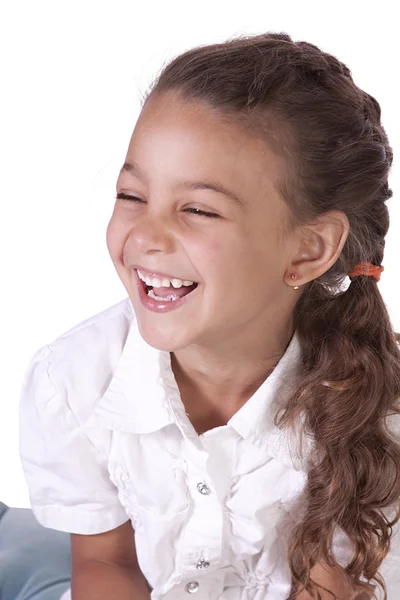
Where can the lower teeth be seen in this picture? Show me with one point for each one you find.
(169, 298)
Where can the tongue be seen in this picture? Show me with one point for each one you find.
(169, 291)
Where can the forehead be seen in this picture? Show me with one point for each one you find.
(192, 137)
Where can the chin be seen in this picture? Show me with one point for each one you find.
(165, 339)
(169, 331)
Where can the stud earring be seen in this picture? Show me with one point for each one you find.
(294, 276)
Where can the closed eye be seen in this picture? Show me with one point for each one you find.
(122, 196)
(194, 211)
(201, 213)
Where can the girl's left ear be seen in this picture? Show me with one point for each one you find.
(320, 245)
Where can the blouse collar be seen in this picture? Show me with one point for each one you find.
(143, 397)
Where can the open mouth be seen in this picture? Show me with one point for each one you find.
(167, 294)
(166, 290)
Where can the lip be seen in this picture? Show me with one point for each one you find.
(158, 306)
(161, 275)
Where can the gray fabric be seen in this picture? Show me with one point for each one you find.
(35, 562)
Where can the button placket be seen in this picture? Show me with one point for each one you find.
(204, 527)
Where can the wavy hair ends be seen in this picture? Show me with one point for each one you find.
(336, 157)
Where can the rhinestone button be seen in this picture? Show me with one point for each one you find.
(202, 564)
(192, 587)
(203, 488)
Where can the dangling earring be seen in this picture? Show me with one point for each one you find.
(294, 276)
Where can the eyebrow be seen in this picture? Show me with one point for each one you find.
(134, 169)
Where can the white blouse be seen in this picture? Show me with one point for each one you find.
(104, 438)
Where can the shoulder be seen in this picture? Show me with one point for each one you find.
(79, 364)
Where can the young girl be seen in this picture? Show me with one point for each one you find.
(226, 431)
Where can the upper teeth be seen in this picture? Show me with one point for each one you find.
(163, 282)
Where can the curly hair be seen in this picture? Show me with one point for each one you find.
(337, 156)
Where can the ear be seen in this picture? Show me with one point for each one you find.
(318, 246)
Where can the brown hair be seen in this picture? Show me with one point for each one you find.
(337, 157)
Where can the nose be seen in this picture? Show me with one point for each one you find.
(153, 234)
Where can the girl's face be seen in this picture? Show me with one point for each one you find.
(203, 208)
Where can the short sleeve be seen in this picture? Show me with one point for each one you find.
(67, 476)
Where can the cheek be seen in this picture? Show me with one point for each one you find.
(114, 238)
(221, 259)
(238, 254)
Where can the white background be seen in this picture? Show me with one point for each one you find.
(71, 77)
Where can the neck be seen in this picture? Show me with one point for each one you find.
(230, 374)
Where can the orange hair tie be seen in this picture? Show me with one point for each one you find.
(366, 268)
